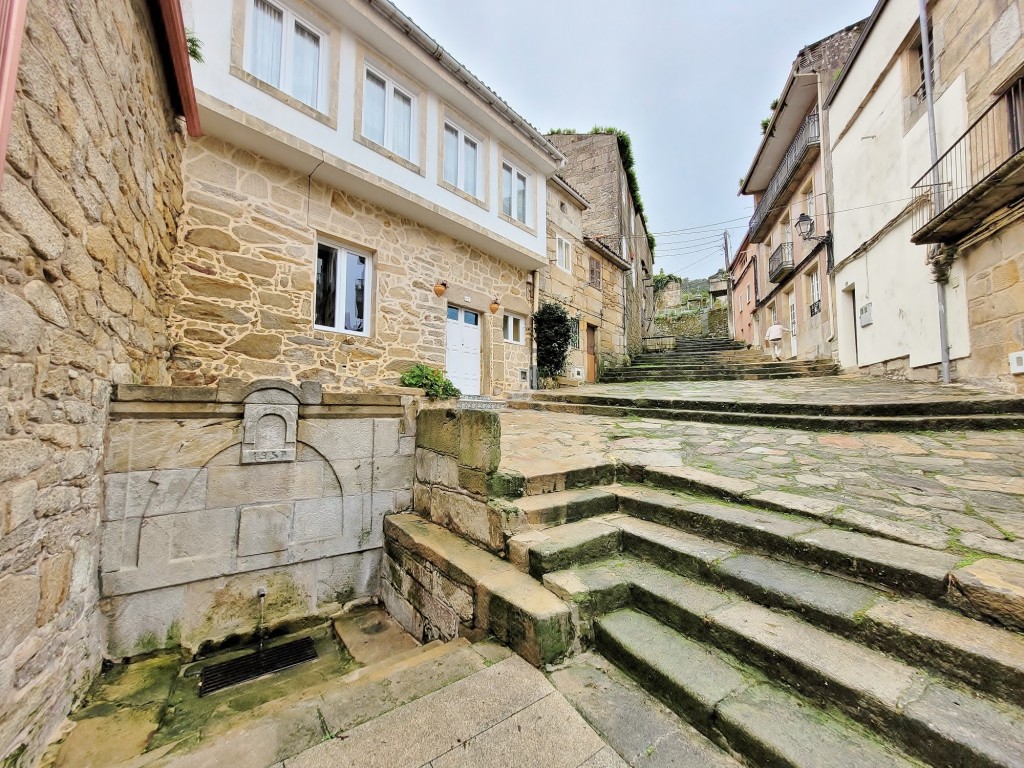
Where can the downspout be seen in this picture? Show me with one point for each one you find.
(940, 283)
(826, 169)
(535, 303)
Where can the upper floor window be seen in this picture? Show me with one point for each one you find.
(815, 285)
(285, 51)
(563, 254)
(462, 165)
(389, 113)
(748, 293)
(344, 298)
(514, 183)
(809, 206)
(595, 272)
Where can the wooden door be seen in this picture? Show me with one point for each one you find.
(591, 354)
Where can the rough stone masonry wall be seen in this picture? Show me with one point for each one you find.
(245, 278)
(215, 492)
(88, 214)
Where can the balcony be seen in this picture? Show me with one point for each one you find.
(980, 174)
(780, 263)
(802, 151)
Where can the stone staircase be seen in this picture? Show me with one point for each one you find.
(783, 639)
(713, 359)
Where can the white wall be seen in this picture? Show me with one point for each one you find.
(874, 166)
(432, 204)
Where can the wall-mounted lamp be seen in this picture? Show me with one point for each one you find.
(440, 288)
(804, 227)
(495, 305)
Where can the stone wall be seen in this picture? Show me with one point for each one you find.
(88, 213)
(212, 493)
(689, 325)
(244, 275)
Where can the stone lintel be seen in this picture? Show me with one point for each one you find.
(125, 393)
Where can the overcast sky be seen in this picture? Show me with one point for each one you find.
(689, 81)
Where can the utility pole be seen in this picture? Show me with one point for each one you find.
(727, 249)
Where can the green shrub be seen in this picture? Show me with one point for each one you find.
(552, 329)
(432, 381)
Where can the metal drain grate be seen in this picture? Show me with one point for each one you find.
(255, 664)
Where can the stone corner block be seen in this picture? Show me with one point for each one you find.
(154, 394)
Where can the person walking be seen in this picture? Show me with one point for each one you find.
(773, 336)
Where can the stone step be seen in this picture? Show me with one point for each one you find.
(732, 705)
(935, 721)
(640, 728)
(826, 423)
(566, 506)
(904, 568)
(433, 575)
(946, 407)
(973, 653)
(639, 376)
(719, 368)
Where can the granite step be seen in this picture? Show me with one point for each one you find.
(566, 506)
(826, 423)
(936, 721)
(639, 727)
(641, 376)
(732, 705)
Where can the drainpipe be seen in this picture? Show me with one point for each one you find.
(535, 303)
(940, 284)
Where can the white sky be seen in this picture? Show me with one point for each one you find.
(689, 81)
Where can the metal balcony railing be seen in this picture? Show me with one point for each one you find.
(780, 263)
(808, 136)
(815, 307)
(991, 141)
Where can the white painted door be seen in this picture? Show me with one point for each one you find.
(792, 322)
(463, 359)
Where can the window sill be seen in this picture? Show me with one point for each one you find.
(341, 331)
(516, 343)
(516, 223)
(330, 121)
(462, 193)
(394, 156)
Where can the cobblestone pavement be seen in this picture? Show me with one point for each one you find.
(838, 390)
(958, 490)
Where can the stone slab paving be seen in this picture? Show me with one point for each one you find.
(959, 490)
(831, 390)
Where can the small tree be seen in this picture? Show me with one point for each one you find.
(552, 328)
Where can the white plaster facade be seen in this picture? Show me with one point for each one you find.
(328, 144)
(879, 149)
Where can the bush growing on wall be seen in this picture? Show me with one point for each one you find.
(432, 381)
(552, 328)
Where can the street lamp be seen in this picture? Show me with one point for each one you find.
(805, 228)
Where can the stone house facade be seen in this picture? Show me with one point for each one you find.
(589, 280)
(596, 167)
(787, 181)
(89, 206)
(344, 228)
(955, 250)
(743, 276)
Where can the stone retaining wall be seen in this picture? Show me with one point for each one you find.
(88, 215)
(212, 493)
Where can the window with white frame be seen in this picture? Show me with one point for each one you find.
(563, 254)
(344, 295)
(513, 327)
(514, 184)
(815, 283)
(389, 114)
(748, 293)
(285, 51)
(809, 200)
(462, 167)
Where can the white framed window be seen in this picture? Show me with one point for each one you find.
(514, 328)
(462, 165)
(815, 284)
(285, 51)
(809, 200)
(514, 191)
(344, 290)
(748, 293)
(563, 254)
(389, 114)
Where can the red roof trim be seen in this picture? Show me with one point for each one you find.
(174, 28)
(12, 29)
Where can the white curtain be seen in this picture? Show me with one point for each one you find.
(506, 190)
(451, 155)
(521, 198)
(470, 169)
(373, 108)
(306, 66)
(267, 27)
(401, 125)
